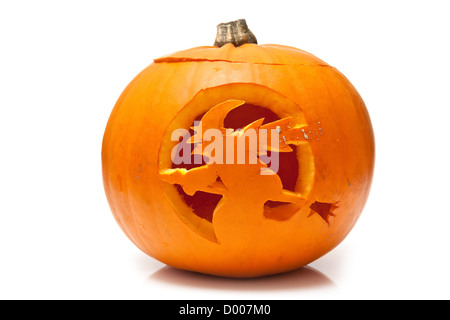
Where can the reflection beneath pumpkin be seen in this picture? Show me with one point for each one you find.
(303, 278)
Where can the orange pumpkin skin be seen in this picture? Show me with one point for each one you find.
(335, 164)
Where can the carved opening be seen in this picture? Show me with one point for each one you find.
(247, 113)
(202, 203)
(324, 210)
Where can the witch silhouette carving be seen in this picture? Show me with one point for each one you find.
(238, 167)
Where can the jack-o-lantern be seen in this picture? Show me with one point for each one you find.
(238, 159)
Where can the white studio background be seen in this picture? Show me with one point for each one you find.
(63, 64)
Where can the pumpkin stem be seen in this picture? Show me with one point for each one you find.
(235, 32)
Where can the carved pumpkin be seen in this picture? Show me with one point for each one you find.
(232, 216)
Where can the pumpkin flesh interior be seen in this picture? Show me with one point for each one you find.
(202, 102)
